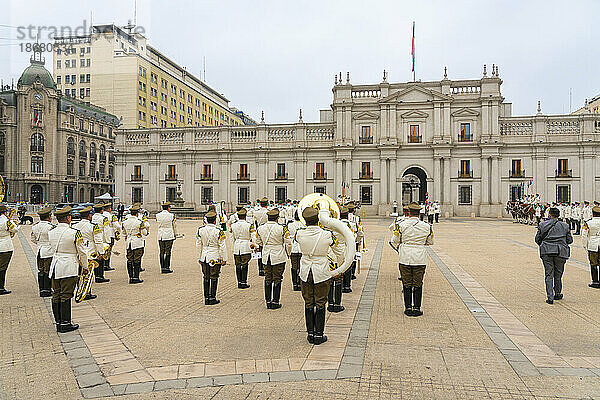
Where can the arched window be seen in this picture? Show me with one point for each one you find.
(37, 142)
(37, 164)
(92, 151)
(82, 151)
(102, 153)
(70, 146)
(111, 171)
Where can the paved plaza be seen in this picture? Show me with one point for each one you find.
(486, 331)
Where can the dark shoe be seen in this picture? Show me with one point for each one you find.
(276, 295)
(102, 280)
(558, 296)
(46, 293)
(416, 312)
(56, 313)
(261, 273)
(407, 292)
(161, 259)
(353, 277)
(166, 271)
(206, 291)
(4, 291)
(408, 312)
(309, 317)
(65, 315)
(134, 281)
(142, 269)
(243, 286)
(137, 266)
(346, 290)
(594, 285)
(90, 296)
(319, 326)
(549, 301)
(399, 278)
(108, 268)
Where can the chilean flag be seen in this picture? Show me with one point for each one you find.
(412, 52)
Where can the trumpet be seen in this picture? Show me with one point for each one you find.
(85, 281)
(329, 217)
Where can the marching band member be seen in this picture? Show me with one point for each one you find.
(114, 231)
(101, 222)
(437, 210)
(69, 253)
(335, 289)
(294, 251)
(590, 237)
(8, 229)
(43, 253)
(360, 238)
(167, 231)
(93, 239)
(576, 213)
(410, 237)
(260, 218)
(586, 213)
(233, 218)
(135, 229)
(243, 243)
(212, 255)
(315, 244)
(399, 219)
(272, 238)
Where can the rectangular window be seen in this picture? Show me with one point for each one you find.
(516, 171)
(87, 92)
(563, 193)
(243, 175)
(464, 195)
(206, 172)
(280, 173)
(67, 78)
(365, 195)
(171, 193)
(137, 173)
(82, 92)
(171, 175)
(280, 194)
(58, 64)
(243, 195)
(563, 168)
(465, 169)
(365, 135)
(137, 195)
(207, 195)
(413, 135)
(320, 189)
(70, 167)
(58, 78)
(465, 133)
(365, 170)
(516, 192)
(320, 171)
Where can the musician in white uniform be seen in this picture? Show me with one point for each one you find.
(8, 229)
(294, 251)
(410, 237)
(69, 254)
(113, 231)
(135, 229)
(243, 243)
(101, 221)
(335, 289)
(590, 237)
(273, 238)
(43, 253)
(212, 255)
(315, 274)
(350, 273)
(586, 213)
(260, 218)
(437, 210)
(233, 218)
(93, 240)
(576, 213)
(167, 231)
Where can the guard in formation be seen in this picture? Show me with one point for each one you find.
(8, 229)
(295, 254)
(93, 240)
(260, 218)
(101, 221)
(113, 233)
(135, 230)
(167, 232)
(410, 238)
(590, 237)
(212, 255)
(43, 253)
(243, 243)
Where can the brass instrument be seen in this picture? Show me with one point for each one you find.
(85, 280)
(329, 217)
(212, 263)
(2, 188)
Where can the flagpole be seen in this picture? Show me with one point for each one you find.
(413, 53)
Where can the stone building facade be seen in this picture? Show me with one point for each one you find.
(454, 141)
(52, 148)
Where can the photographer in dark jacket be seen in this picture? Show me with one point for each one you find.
(554, 237)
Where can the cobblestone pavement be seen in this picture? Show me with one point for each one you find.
(486, 331)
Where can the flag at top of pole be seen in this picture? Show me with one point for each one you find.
(412, 52)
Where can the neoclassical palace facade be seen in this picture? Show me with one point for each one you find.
(454, 141)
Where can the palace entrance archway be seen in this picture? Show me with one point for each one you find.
(414, 185)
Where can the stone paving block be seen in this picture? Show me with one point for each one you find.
(170, 384)
(69, 337)
(77, 362)
(220, 368)
(324, 374)
(77, 344)
(524, 368)
(287, 376)
(86, 369)
(89, 380)
(103, 390)
(78, 353)
(255, 377)
(575, 371)
(513, 355)
(142, 387)
(199, 382)
(223, 380)
(191, 370)
(546, 371)
(354, 351)
(119, 389)
(357, 360)
(349, 371)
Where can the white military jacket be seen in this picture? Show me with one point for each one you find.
(39, 236)
(243, 235)
(273, 238)
(69, 251)
(260, 216)
(167, 228)
(211, 244)
(576, 213)
(411, 236)
(93, 237)
(293, 228)
(340, 249)
(315, 244)
(8, 229)
(102, 222)
(587, 213)
(113, 224)
(233, 218)
(396, 222)
(590, 235)
(135, 229)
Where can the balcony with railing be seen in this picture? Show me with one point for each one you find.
(465, 174)
(365, 140)
(365, 175)
(281, 176)
(516, 173)
(243, 177)
(206, 177)
(137, 177)
(563, 173)
(170, 177)
(319, 176)
(415, 139)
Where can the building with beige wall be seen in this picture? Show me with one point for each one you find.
(119, 71)
(451, 140)
(53, 148)
(592, 105)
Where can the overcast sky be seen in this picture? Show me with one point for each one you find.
(279, 55)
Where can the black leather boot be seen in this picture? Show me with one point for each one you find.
(65, 315)
(407, 291)
(347, 281)
(244, 275)
(2, 282)
(353, 267)
(275, 304)
(595, 278)
(99, 272)
(268, 293)
(213, 292)
(337, 299)
(161, 259)
(238, 275)
(136, 266)
(309, 316)
(297, 286)
(107, 266)
(206, 291)
(130, 270)
(41, 283)
(320, 326)
(417, 296)
(261, 268)
(330, 300)
(168, 269)
(56, 312)
(47, 285)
